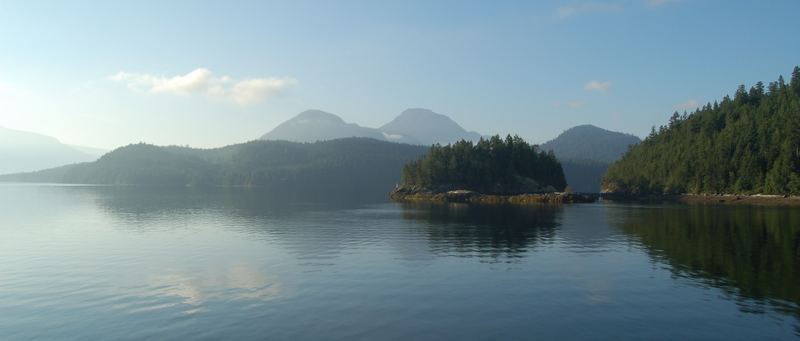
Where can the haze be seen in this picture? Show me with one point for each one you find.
(206, 74)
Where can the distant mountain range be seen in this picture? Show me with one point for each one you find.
(412, 126)
(341, 167)
(586, 152)
(22, 151)
(329, 143)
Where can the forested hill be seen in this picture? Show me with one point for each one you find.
(590, 143)
(351, 165)
(746, 144)
(491, 166)
(586, 151)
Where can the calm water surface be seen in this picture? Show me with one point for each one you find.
(125, 263)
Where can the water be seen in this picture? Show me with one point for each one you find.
(125, 263)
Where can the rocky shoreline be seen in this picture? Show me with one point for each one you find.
(729, 199)
(406, 194)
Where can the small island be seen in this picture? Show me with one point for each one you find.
(491, 171)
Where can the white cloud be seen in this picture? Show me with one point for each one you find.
(689, 105)
(252, 90)
(202, 81)
(567, 11)
(597, 86)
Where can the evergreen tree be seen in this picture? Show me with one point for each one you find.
(493, 165)
(750, 144)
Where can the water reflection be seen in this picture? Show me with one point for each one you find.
(486, 231)
(234, 282)
(111, 262)
(147, 202)
(319, 229)
(752, 253)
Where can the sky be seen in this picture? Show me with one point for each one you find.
(212, 73)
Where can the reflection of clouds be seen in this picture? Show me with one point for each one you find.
(237, 282)
(177, 285)
(250, 284)
(598, 290)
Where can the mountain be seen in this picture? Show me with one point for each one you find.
(413, 126)
(357, 166)
(22, 151)
(590, 143)
(428, 127)
(316, 125)
(585, 153)
(746, 144)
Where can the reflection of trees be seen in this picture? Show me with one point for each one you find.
(147, 202)
(477, 230)
(753, 252)
(317, 229)
(314, 228)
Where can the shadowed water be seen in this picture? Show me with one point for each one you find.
(131, 263)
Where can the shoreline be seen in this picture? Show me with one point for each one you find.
(464, 196)
(723, 199)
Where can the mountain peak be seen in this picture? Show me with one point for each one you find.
(319, 115)
(589, 142)
(583, 128)
(428, 127)
(318, 125)
(412, 126)
(421, 112)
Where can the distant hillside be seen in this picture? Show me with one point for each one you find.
(22, 151)
(352, 165)
(585, 153)
(428, 127)
(584, 176)
(590, 143)
(746, 144)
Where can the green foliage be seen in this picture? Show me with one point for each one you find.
(492, 165)
(748, 144)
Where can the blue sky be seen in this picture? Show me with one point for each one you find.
(104, 74)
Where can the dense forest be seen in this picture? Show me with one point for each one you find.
(494, 165)
(746, 144)
(360, 166)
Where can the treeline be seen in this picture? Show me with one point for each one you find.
(494, 165)
(746, 144)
